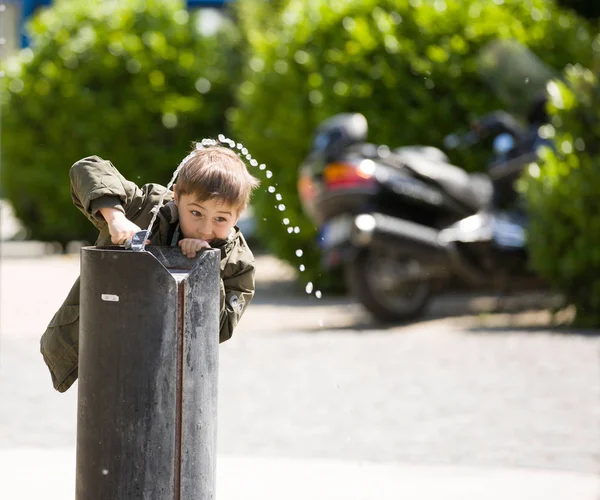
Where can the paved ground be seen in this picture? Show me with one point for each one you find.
(316, 401)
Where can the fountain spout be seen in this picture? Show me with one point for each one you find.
(138, 241)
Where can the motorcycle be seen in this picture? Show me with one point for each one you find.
(403, 222)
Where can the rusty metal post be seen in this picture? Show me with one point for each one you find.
(148, 363)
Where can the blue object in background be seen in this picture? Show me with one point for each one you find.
(206, 3)
(27, 8)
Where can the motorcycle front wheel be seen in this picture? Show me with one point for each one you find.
(391, 288)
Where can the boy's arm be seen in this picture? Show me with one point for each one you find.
(237, 291)
(96, 184)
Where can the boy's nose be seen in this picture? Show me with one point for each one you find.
(204, 231)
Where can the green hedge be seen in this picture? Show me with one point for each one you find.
(563, 193)
(408, 65)
(134, 81)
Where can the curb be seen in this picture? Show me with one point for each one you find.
(11, 249)
(28, 249)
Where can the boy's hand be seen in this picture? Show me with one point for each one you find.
(120, 227)
(190, 246)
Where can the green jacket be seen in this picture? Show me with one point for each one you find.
(95, 184)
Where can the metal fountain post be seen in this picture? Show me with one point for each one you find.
(148, 363)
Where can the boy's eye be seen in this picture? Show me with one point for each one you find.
(195, 213)
(221, 219)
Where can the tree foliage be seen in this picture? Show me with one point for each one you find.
(132, 81)
(410, 66)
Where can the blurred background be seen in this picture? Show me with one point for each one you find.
(137, 82)
(386, 133)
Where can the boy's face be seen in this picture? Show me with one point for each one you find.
(207, 220)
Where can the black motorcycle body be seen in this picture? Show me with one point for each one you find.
(404, 222)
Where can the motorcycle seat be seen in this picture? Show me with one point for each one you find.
(472, 190)
(428, 152)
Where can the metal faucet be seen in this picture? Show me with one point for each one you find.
(137, 243)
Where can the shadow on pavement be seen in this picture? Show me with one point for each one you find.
(476, 311)
(533, 330)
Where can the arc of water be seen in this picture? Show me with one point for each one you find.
(222, 140)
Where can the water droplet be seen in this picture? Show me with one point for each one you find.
(296, 230)
(271, 189)
(221, 138)
(278, 196)
(299, 253)
(309, 287)
(302, 268)
(253, 163)
(262, 166)
(318, 294)
(290, 230)
(248, 157)
(281, 207)
(105, 472)
(244, 151)
(269, 174)
(286, 221)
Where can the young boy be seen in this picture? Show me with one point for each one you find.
(213, 188)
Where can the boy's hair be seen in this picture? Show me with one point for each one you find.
(217, 172)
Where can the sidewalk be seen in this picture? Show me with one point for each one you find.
(293, 479)
(304, 375)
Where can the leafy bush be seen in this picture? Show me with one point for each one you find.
(133, 81)
(409, 66)
(563, 193)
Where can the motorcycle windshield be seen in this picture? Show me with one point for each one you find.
(514, 73)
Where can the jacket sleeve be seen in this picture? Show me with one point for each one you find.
(237, 291)
(96, 184)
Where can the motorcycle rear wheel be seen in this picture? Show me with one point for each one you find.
(383, 284)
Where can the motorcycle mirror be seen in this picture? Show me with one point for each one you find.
(503, 143)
